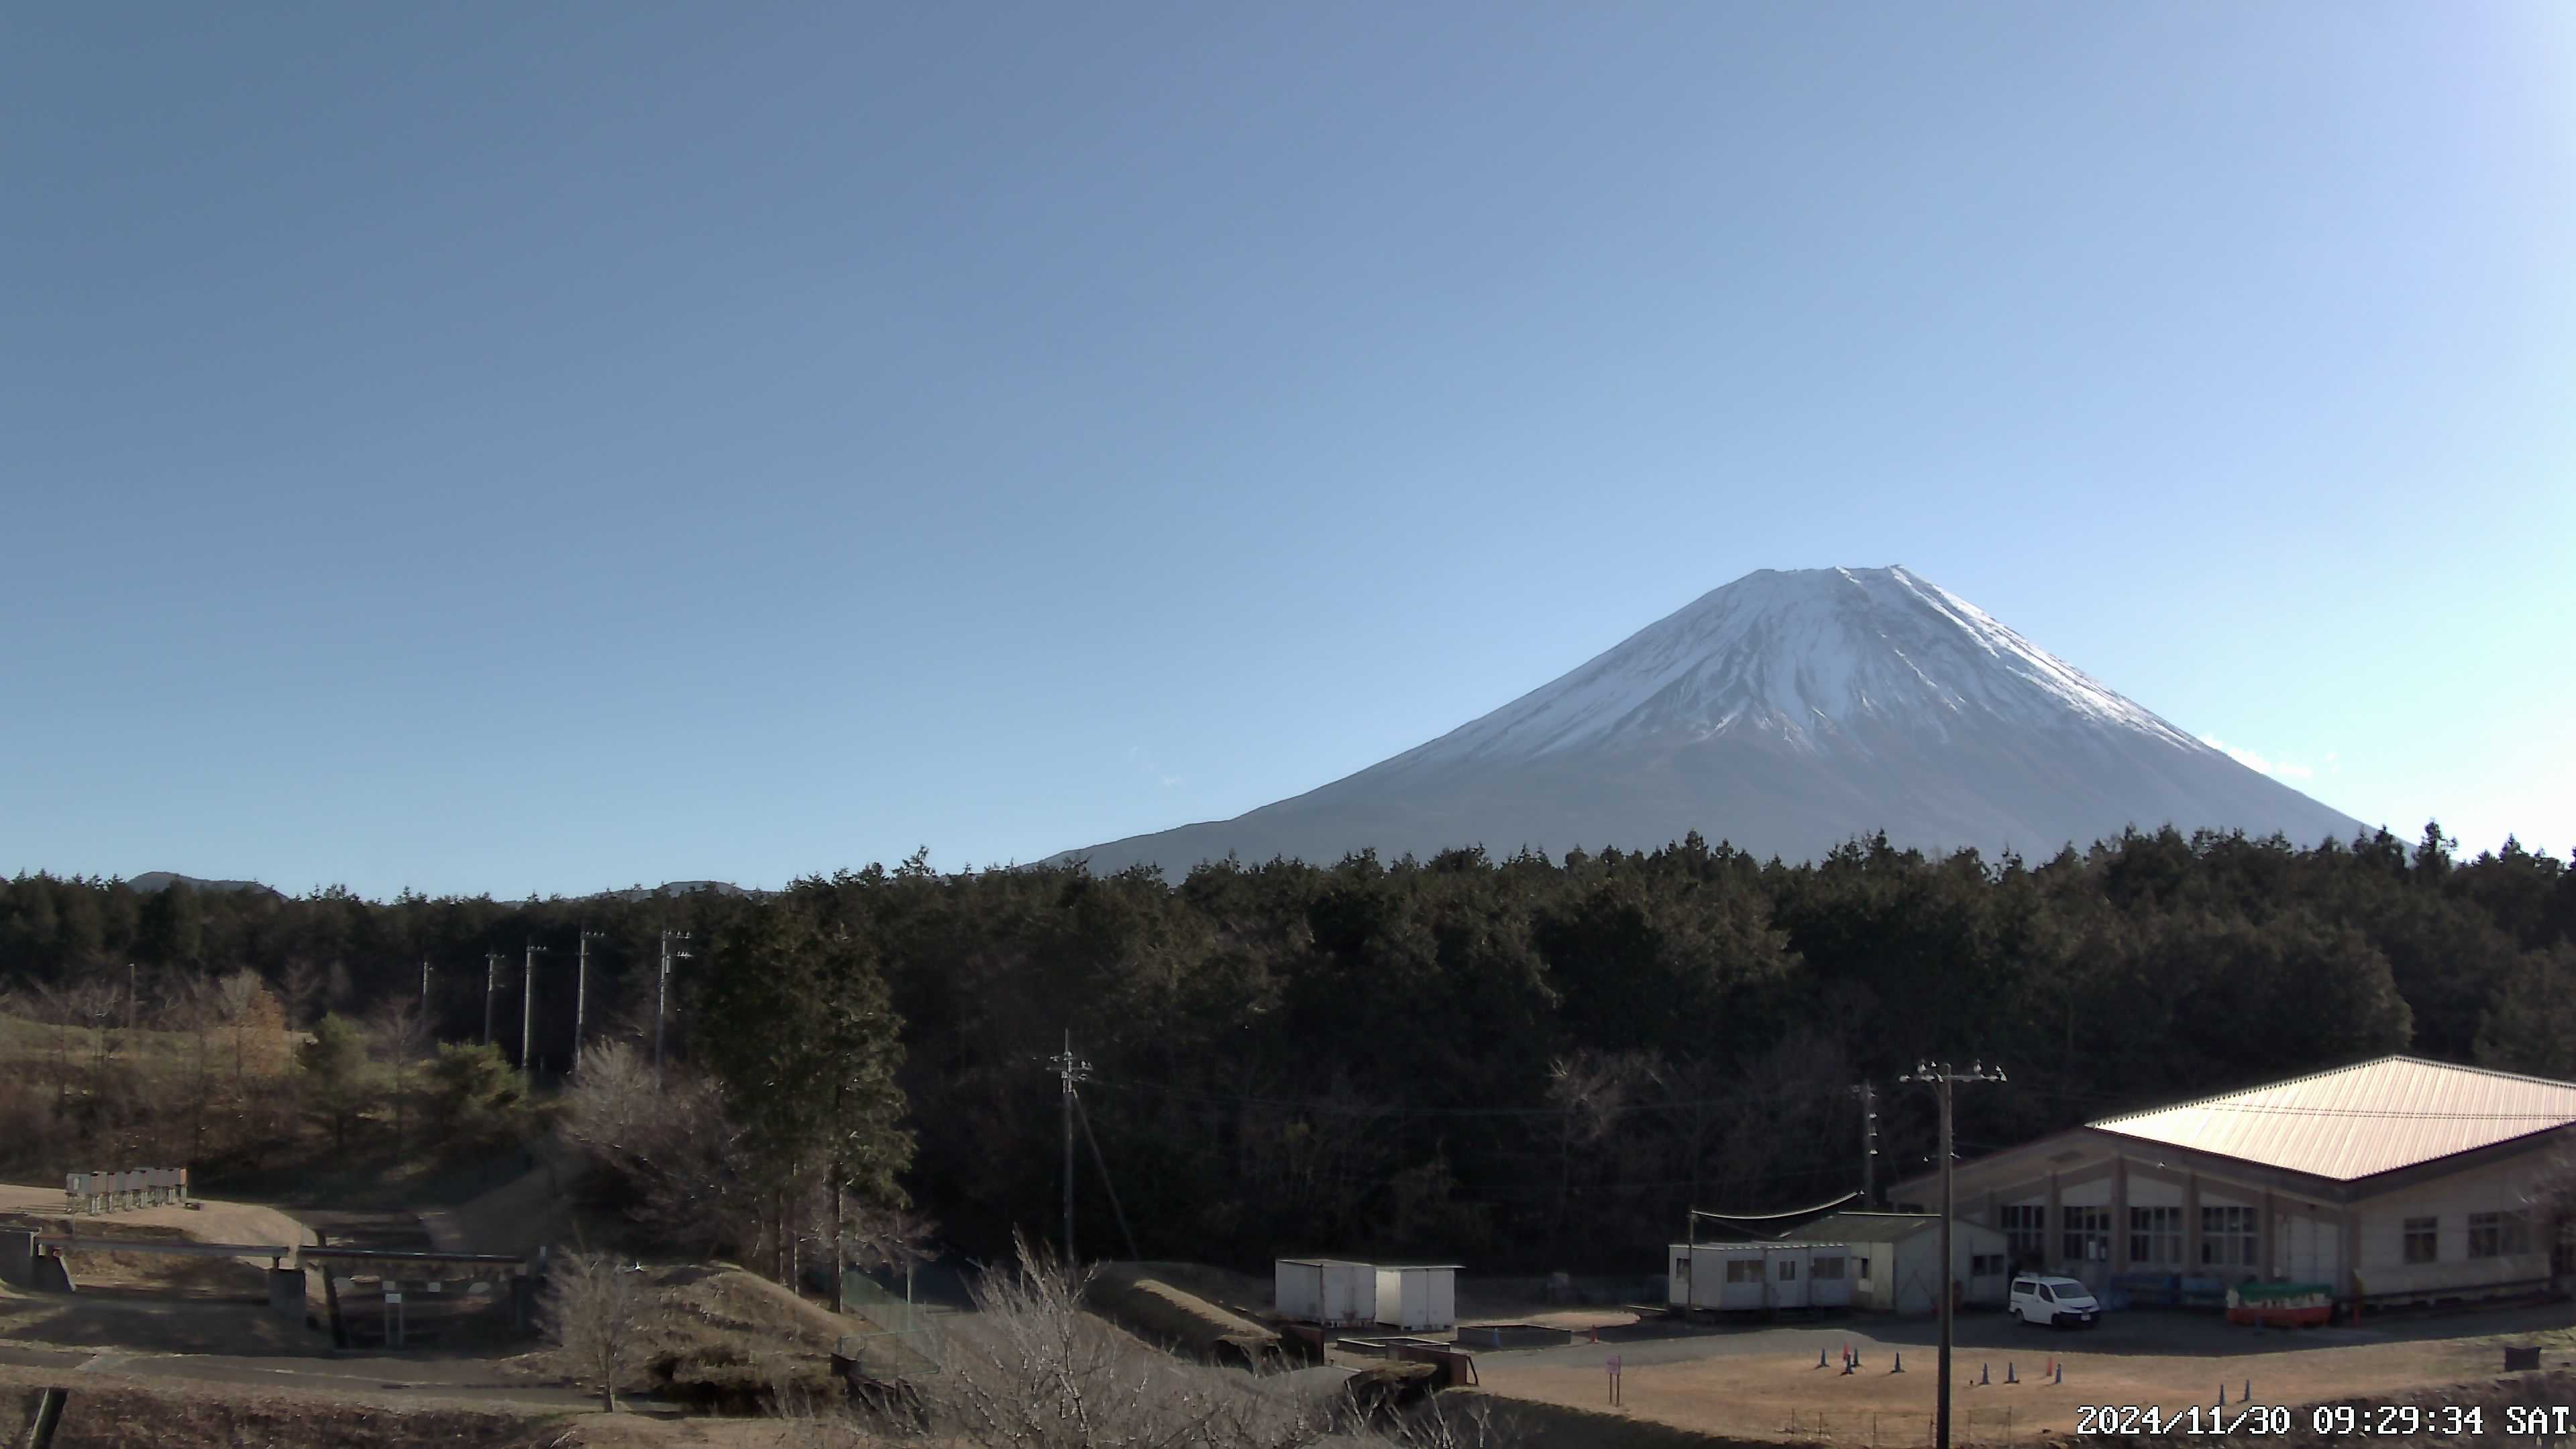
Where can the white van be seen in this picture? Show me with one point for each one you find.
(2056, 1302)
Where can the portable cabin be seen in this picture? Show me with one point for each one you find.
(1829, 1278)
(1331, 1291)
(1733, 1277)
(1893, 1260)
(1418, 1297)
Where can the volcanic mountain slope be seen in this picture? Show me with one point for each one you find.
(1785, 713)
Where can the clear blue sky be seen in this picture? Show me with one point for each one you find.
(550, 447)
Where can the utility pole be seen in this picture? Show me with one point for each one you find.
(1942, 1079)
(528, 1004)
(1868, 1143)
(491, 974)
(1069, 1070)
(662, 994)
(424, 993)
(581, 992)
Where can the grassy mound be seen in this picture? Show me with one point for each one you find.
(1141, 1298)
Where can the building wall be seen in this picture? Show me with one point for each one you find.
(2293, 1236)
(2449, 1201)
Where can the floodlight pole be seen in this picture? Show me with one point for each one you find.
(491, 975)
(1942, 1079)
(662, 995)
(581, 992)
(528, 1005)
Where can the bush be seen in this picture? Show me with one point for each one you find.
(475, 1098)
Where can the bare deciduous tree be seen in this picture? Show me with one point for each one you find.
(401, 1034)
(597, 1312)
(668, 1142)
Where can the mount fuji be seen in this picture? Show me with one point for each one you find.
(1786, 713)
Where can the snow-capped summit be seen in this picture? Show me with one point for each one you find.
(1785, 712)
(1801, 656)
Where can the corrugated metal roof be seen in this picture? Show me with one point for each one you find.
(2362, 1120)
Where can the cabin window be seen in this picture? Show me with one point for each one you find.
(1860, 1269)
(2423, 1239)
(1986, 1265)
(1743, 1270)
(2229, 1237)
(2155, 1235)
(1827, 1268)
(1681, 1267)
(2088, 1234)
(1788, 1269)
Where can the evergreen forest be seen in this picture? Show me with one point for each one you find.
(1522, 1065)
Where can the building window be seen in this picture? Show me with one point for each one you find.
(1681, 1268)
(1788, 1269)
(1860, 1269)
(1986, 1265)
(2423, 1238)
(1743, 1270)
(2155, 1235)
(2486, 1235)
(2230, 1237)
(2025, 1230)
(1827, 1268)
(2493, 1235)
(2088, 1234)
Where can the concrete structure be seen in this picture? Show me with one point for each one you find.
(1896, 1260)
(2394, 1180)
(1335, 1292)
(1418, 1297)
(18, 1257)
(286, 1293)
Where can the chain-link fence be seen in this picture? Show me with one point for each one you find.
(903, 1337)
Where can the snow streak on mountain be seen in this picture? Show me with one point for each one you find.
(1786, 713)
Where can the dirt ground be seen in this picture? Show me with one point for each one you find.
(1782, 1395)
(157, 1302)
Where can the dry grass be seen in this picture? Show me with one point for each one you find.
(1142, 1298)
(719, 1339)
(111, 1413)
(29, 1047)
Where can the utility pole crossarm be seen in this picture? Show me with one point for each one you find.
(1941, 1078)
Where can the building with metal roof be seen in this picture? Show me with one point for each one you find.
(2393, 1180)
